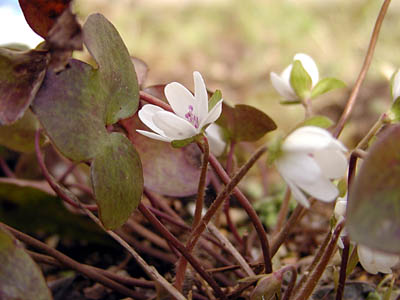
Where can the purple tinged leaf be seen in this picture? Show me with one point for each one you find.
(166, 170)
(373, 210)
(20, 277)
(245, 123)
(21, 74)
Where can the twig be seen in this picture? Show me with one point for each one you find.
(59, 191)
(321, 266)
(293, 277)
(65, 260)
(283, 211)
(244, 202)
(181, 248)
(367, 62)
(151, 271)
(45, 259)
(239, 258)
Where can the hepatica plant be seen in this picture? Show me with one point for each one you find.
(85, 141)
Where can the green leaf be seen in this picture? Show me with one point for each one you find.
(300, 80)
(116, 71)
(167, 171)
(75, 105)
(395, 110)
(373, 211)
(215, 98)
(325, 85)
(117, 181)
(183, 143)
(20, 277)
(319, 121)
(20, 136)
(245, 123)
(21, 73)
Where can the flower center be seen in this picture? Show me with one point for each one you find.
(192, 118)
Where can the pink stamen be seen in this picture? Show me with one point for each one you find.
(192, 118)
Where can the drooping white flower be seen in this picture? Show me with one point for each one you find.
(215, 139)
(190, 114)
(374, 261)
(282, 82)
(396, 85)
(310, 157)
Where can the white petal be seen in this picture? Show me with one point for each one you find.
(173, 126)
(340, 209)
(283, 87)
(154, 136)
(298, 167)
(146, 116)
(321, 189)
(307, 139)
(180, 98)
(213, 115)
(333, 163)
(201, 96)
(215, 139)
(309, 65)
(366, 258)
(396, 86)
(297, 193)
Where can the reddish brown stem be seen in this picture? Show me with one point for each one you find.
(343, 268)
(6, 169)
(182, 249)
(364, 69)
(52, 181)
(314, 277)
(65, 260)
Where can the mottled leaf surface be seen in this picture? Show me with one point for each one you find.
(75, 106)
(373, 211)
(21, 74)
(118, 189)
(168, 171)
(20, 277)
(245, 123)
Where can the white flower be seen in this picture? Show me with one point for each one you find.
(282, 82)
(190, 112)
(215, 139)
(396, 85)
(374, 261)
(310, 157)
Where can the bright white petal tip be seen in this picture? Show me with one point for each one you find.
(396, 86)
(310, 157)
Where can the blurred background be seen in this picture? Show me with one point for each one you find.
(235, 44)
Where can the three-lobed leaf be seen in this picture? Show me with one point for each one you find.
(373, 210)
(76, 105)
